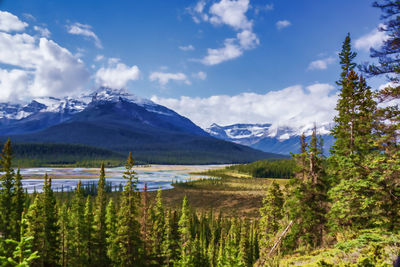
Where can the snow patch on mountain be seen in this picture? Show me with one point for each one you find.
(11, 111)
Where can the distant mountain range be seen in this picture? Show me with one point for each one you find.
(265, 137)
(121, 122)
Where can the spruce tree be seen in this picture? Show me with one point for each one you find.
(128, 233)
(7, 223)
(355, 192)
(50, 250)
(111, 233)
(19, 201)
(186, 258)
(88, 233)
(35, 226)
(65, 234)
(100, 236)
(76, 248)
(158, 228)
(271, 215)
(386, 165)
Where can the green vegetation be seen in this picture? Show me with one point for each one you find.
(272, 168)
(37, 155)
(338, 211)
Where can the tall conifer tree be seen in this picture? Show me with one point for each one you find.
(128, 233)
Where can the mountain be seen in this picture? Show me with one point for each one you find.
(266, 137)
(119, 121)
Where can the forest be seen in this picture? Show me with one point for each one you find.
(343, 210)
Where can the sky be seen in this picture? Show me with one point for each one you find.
(214, 61)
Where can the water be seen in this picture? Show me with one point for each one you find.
(67, 178)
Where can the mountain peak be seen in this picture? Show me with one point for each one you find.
(116, 95)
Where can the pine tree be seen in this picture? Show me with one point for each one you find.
(271, 215)
(22, 255)
(111, 232)
(354, 193)
(170, 240)
(19, 201)
(158, 228)
(76, 248)
(64, 233)
(186, 258)
(128, 226)
(100, 237)
(35, 226)
(386, 165)
(50, 250)
(88, 233)
(7, 193)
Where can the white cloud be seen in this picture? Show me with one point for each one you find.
(374, 39)
(248, 39)
(281, 24)
(230, 51)
(321, 64)
(40, 66)
(116, 75)
(163, 78)
(44, 32)
(187, 48)
(232, 13)
(99, 58)
(200, 75)
(10, 22)
(84, 30)
(294, 106)
(13, 84)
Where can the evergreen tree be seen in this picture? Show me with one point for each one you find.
(306, 202)
(88, 233)
(128, 233)
(186, 258)
(271, 215)
(50, 251)
(386, 165)
(76, 248)
(170, 240)
(35, 226)
(18, 203)
(354, 193)
(22, 255)
(7, 224)
(64, 233)
(158, 227)
(100, 237)
(111, 232)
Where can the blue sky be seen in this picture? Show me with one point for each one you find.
(197, 57)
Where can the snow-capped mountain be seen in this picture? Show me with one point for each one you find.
(68, 105)
(267, 137)
(121, 122)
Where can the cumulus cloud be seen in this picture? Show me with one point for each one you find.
(321, 64)
(187, 48)
(116, 75)
(10, 22)
(231, 13)
(44, 32)
(84, 30)
(229, 51)
(281, 24)
(295, 106)
(200, 75)
(373, 39)
(99, 58)
(38, 67)
(163, 78)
